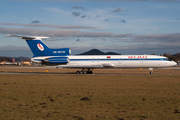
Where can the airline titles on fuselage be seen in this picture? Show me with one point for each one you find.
(137, 56)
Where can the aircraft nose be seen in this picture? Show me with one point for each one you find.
(174, 63)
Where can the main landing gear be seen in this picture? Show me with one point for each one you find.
(85, 71)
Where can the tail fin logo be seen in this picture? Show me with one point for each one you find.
(40, 47)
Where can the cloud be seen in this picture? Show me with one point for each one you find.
(122, 43)
(123, 21)
(81, 0)
(175, 37)
(152, 38)
(106, 20)
(76, 14)
(103, 39)
(83, 16)
(128, 43)
(76, 7)
(12, 48)
(171, 1)
(52, 26)
(60, 33)
(77, 40)
(52, 9)
(119, 0)
(135, 48)
(137, 0)
(117, 10)
(35, 22)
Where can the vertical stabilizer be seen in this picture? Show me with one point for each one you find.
(39, 48)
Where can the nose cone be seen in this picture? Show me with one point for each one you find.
(174, 63)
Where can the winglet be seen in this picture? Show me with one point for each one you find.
(27, 37)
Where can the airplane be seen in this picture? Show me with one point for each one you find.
(61, 57)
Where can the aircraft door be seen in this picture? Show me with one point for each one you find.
(120, 60)
(98, 60)
(141, 60)
(92, 60)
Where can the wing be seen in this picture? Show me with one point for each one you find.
(106, 65)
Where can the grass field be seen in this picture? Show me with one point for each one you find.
(116, 97)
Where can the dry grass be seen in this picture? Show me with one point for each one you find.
(111, 96)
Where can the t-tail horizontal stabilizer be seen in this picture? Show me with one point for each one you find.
(39, 48)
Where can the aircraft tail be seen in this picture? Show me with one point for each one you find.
(39, 48)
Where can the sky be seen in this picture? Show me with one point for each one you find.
(123, 26)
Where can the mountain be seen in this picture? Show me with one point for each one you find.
(177, 55)
(98, 52)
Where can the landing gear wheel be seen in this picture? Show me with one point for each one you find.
(151, 72)
(90, 72)
(85, 71)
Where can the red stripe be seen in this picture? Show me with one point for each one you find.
(108, 56)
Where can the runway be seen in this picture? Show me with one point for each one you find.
(43, 73)
(54, 67)
(172, 68)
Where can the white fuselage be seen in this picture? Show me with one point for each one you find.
(112, 61)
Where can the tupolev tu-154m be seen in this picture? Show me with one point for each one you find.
(61, 57)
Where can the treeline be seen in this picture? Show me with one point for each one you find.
(175, 57)
(5, 59)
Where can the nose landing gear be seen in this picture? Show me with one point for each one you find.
(151, 72)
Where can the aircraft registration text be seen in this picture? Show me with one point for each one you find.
(58, 51)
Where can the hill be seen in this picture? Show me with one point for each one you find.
(98, 52)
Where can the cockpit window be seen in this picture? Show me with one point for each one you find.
(167, 59)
